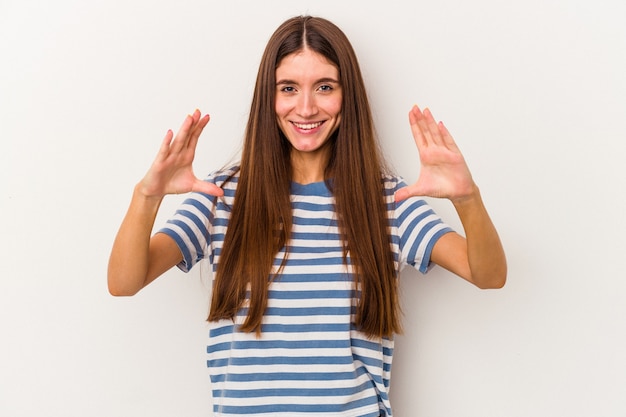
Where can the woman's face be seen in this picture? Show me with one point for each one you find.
(308, 100)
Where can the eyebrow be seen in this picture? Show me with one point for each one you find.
(321, 80)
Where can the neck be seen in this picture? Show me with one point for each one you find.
(308, 168)
(307, 176)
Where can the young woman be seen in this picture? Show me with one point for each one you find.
(306, 235)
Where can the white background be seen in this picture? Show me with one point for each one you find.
(534, 92)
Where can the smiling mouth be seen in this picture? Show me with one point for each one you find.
(307, 126)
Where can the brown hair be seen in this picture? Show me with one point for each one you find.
(260, 221)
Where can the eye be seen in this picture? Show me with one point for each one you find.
(325, 87)
(287, 89)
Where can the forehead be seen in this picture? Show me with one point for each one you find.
(306, 63)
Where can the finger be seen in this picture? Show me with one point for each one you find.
(182, 136)
(425, 122)
(401, 194)
(197, 131)
(422, 123)
(165, 145)
(431, 126)
(447, 137)
(207, 188)
(414, 117)
(195, 116)
(195, 119)
(406, 192)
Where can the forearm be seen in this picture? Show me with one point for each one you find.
(485, 254)
(130, 256)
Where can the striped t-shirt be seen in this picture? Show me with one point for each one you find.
(309, 359)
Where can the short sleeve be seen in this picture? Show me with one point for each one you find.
(415, 228)
(199, 224)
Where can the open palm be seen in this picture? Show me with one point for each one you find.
(172, 171)
(443, 172)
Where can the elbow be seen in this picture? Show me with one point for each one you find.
(492, 281)
(492, 284)
(118, 286)
(117, 290)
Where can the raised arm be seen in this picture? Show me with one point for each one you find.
(478, 257)
(137, 258)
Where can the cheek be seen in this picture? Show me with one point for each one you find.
(281, 107)
(281, 115)
(334, 107)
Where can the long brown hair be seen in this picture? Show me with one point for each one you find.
(260, 221)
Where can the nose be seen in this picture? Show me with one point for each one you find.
(307, 105)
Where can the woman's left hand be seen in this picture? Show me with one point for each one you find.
(443, 172)
(479, 258)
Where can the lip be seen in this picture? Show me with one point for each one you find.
(309, 127)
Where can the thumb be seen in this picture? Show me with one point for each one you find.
(406, 192)
(207, 188)
(403, 193)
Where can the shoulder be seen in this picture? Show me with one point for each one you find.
(392, 183)
(226, 177)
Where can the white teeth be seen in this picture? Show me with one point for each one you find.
(307, 126)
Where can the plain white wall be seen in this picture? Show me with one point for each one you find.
(534, 92)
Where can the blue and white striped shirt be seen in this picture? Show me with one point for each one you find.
(309, 360)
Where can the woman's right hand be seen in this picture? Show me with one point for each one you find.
(172, 170)
(137, 258)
